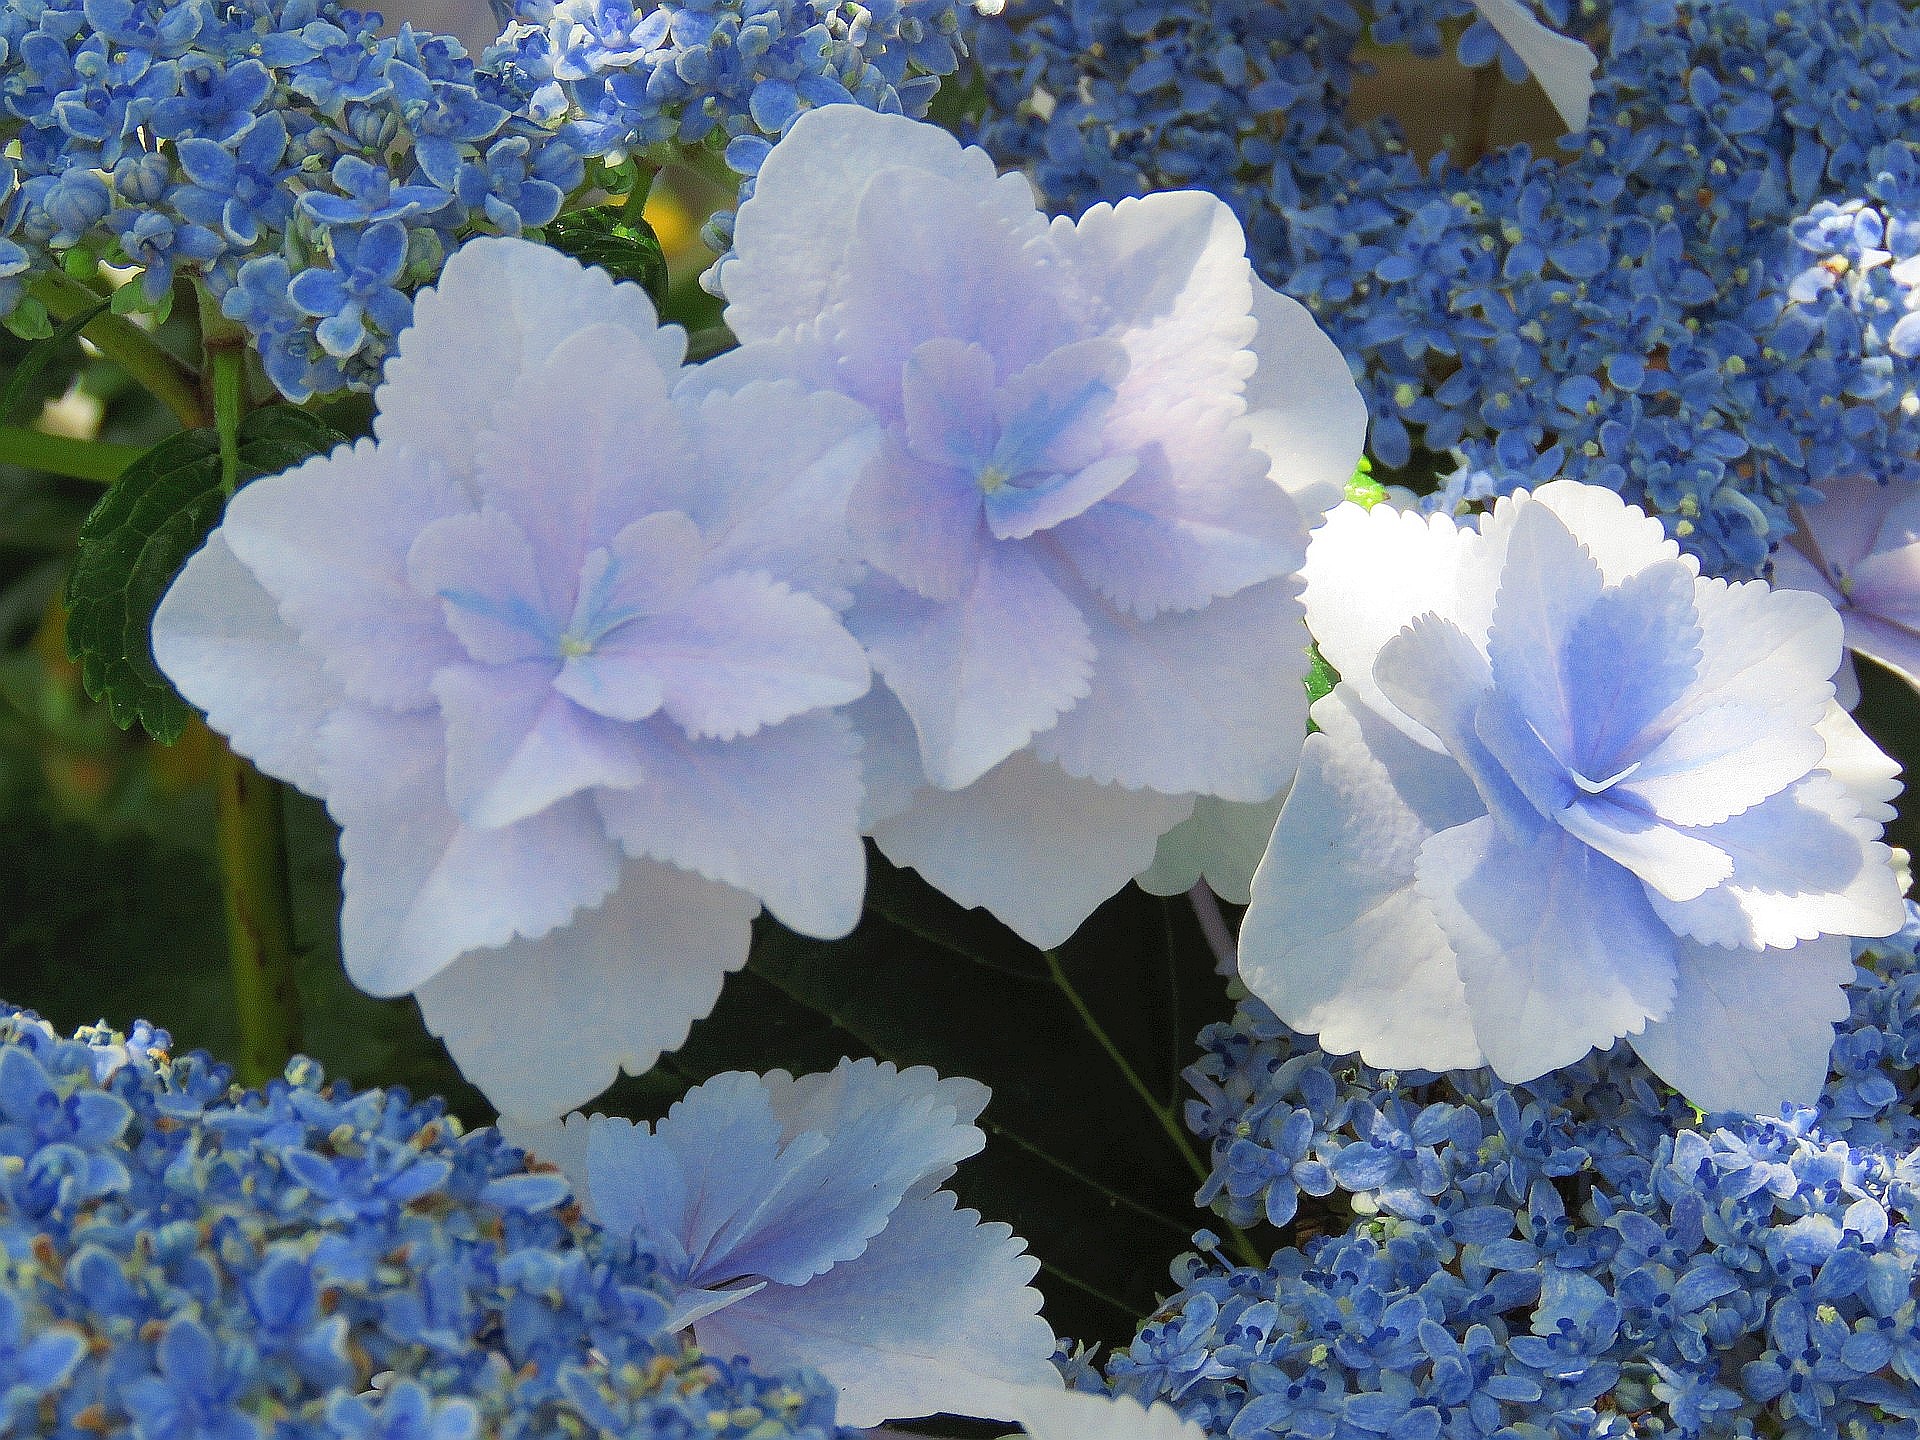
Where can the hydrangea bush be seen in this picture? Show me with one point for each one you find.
(741, 727)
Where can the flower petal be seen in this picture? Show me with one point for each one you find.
(497, 312)
(980, 675)
(1548, 585)
(1872, 777)
(542, 1026)
(1210, 700)
(791, 236)
(1563, 66)
(1197, 519)
(484, 575)
(1037, 848)
(1303, 409)
(1750, 1032)
(1220, 843)
(218, 637)
(1055, 1414)
(329, 540)
(1167, 275)
(1804, 864)
(516, 747)
(937, 1303)
(920, 524)
(421, 888)
(1337, 940)
(1559, 951)
(774, 813)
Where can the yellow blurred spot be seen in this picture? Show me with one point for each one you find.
(672, 222)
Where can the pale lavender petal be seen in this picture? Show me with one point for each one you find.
(1672, 862)
(1337, 939)
(1053, 415)
(1563, 66)
(738, 653)
(946, 399)
(1557, 946)
(982, 675)
(1015, 512)
(1548, 585)
(920, 524)
(495, 315)
(1751, 1032)
(1053, 1413)
(1871, 776)
(938, 257)
(1622, 539)
(937, 1304)
(890, 767)
(1804, 864)
(651, 565)
(515, 746)
(775, 814)
(1209, 700)
(790, 237)
(647, 961)
(1037, 848)
(1303, 409)
(420, 887)
(887, 1132)
(777, 465)
(1745, 729)
(1842, 529)
(590, 444)
(1628, 661)
(1167, 275)
(848, 1094)
(219, 638)
(482, 572)
(1220, 843)
(1882, 641)
(1794, 571)
(1368, 574)
(1196, 520)
(329, 540)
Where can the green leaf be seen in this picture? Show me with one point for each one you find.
(625, 249)
(1321, 677)
(25, 370)
(1074, 1160)
(135, 541)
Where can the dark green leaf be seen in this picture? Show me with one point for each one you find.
(1074, 1161)
(27, 369)
(626, 250)
(133, 544)
(1321, 677)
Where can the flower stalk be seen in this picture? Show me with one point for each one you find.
(129, 347)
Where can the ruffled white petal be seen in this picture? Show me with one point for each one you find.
(650, 958)
(1212, 700)
(1750, 1032)
(420, 887)
(1037, 848)
(498, 311)
(1872, 777)
(329, 541)
(1220, 843)
(936, 1305)
(1337, 939)
(1059, 1414)
(790, 236)
(1557, 946)
(219, 638)
(1303, 408)
(774, 813)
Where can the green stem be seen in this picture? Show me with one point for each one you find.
(259, 917)
(130, 347)
(63, 455)
(247, 805)
(1242, 1246)
(633, 209)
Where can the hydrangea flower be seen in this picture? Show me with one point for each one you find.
(1081, 592)
(557, 649)
(1567, 790)
(1860, 548)
(243, 1276)
(799, 1222)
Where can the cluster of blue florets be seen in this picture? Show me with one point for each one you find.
(180, 1258)
(1580, 1256)
(627, 75)
(307, 170)
(1646, 311)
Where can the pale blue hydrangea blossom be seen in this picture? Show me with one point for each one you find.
(1860, 548)
(800, 1222)
(1567, 791)
(561, 663)
(1082, 592)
